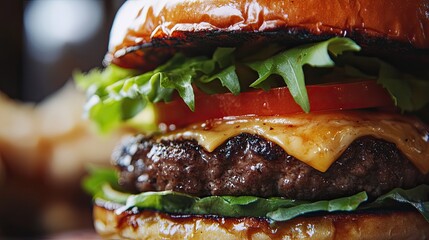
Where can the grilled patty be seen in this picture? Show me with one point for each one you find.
(251, 165)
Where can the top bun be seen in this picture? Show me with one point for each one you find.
(143, 25)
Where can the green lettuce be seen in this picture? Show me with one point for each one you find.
(116, 95)
(409, 92)
(289, 65)
(103, 185)
(417, 197)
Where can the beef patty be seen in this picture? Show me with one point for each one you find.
(251, 165)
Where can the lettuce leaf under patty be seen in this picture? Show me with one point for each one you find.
(116, 94)
(102, 184)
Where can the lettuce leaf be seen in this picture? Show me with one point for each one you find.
(116, 95)
(102, 184)
(412, 197)
(289, 65)
(340, 204)
(97, 80)
(97, 178)
(409, 92)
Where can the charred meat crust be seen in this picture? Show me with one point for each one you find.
(251, 165)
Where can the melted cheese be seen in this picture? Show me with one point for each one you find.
(318, 139)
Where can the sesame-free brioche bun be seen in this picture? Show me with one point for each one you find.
(359, 225)
(142, 26)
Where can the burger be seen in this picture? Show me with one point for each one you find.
(264, 119)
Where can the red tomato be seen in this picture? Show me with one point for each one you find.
(277, 101)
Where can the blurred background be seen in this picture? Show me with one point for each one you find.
(43, 41)
(45, 143)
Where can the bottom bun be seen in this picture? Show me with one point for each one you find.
(155, 225)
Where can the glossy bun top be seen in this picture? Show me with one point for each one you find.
(142, 25)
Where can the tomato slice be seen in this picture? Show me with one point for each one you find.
(277, 101)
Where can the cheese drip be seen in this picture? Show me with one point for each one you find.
(318, 139)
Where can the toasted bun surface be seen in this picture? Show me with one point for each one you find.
(147, 24)
(153, 225)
